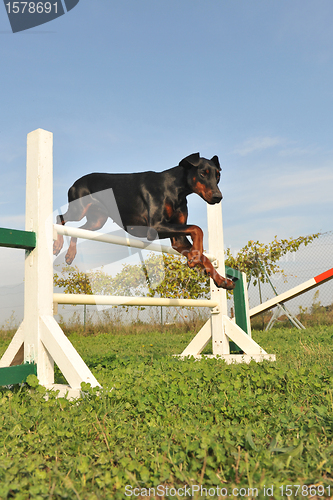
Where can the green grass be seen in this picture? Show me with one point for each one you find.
(162, 421)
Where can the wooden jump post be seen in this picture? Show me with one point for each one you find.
(39, 339)
(226, 334)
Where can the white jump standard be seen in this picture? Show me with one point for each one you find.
(39, 338)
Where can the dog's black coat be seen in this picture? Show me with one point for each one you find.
(148, 204)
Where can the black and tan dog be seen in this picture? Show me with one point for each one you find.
(150, 205)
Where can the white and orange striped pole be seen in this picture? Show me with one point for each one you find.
(293, 292)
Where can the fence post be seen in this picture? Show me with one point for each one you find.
(38, 284)
(220, 341)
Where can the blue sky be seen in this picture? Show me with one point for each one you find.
(138, 85)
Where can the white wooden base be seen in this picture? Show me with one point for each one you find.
(233, 358)
(233, 332)
(65, 391)
(39, 338)
(14, 353)
(52, 340)
(202, 338)
(65, 356)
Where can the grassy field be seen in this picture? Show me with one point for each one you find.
(165, 428)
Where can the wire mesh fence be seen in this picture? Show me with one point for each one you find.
(156, 315)
(298, 267)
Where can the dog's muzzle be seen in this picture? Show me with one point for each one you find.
(216, 198)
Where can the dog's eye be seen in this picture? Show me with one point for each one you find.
(204, 173)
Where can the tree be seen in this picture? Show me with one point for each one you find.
(73, 280)
(159, 275)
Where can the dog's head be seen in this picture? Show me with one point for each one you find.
(203, 177)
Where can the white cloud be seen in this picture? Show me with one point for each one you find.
(298, 151)
(283, 190)
(264, 230)
(258, 144)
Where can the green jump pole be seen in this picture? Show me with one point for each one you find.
(14, 238)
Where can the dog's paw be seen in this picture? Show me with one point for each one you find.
(70, 256)
(230, 284)
(56, 248)
(58, 244)
(226, 284)
(193, 258)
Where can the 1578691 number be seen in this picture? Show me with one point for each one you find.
(31, 7)
(293, 490)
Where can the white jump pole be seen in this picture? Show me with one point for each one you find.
(119, 300)
(86, 234)
(293, 292)
(38, 273)
(220, 341)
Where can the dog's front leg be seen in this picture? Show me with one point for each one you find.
(183, 246)
(194, 256)
(219, 280)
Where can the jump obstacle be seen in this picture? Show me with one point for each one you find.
(292, 293)
(39, 341)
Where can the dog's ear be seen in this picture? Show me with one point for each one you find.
(216, 161)
(192, 160)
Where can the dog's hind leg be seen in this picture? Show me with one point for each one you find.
(58, 243)
(96, 218)
(75, 212)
